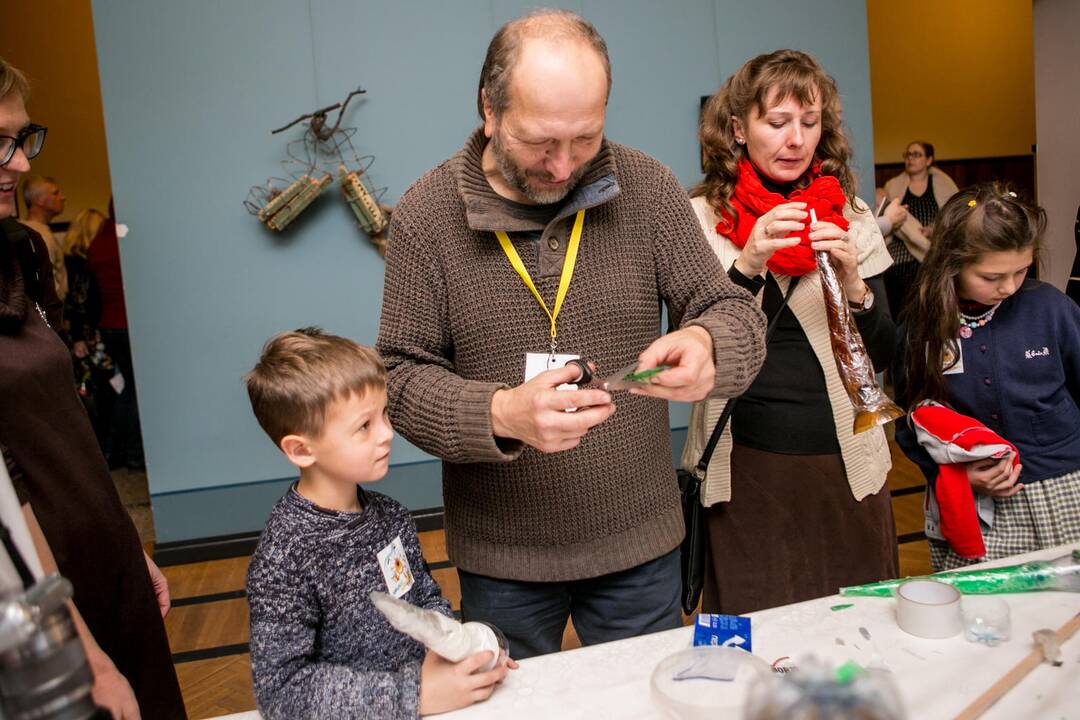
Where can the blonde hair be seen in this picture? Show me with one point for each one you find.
(13, 82)
(82, 231)
(301, 373)
(772, 77)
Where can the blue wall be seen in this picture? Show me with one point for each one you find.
(191, 90)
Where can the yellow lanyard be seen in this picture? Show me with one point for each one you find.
(564, 280)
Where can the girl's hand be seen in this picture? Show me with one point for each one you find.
(771, 232)
(994, 477)
(844, 254)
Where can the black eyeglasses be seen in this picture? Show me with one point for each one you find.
(31, 139)
(914, 154)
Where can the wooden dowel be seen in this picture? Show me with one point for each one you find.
(1009, 680)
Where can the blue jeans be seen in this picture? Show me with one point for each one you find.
(532, 615)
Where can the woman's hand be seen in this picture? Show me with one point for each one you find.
(771, 232)
(896, 213)
(112, 692)
(161, 585)
(995, 477)
(844, 253)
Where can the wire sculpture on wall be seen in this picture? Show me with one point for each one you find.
(313, 160)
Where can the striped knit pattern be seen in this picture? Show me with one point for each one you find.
(319, 648)
(866, 456)
(1044, 514)
(457, 322)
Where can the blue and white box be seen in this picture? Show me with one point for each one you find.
(723, 630)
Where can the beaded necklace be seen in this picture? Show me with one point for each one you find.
(968, 323)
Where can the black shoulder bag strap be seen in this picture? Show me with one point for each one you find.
(693, 545)
(725, 415)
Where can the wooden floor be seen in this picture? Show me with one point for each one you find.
(208, 625)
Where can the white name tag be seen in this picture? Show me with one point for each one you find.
(536, 363)
(947, 360)
(395, 568)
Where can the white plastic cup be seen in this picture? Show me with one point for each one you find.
(986, 620)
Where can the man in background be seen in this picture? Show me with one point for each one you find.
(44, 201)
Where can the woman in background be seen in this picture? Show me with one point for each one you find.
(82, 309)
(923, 190)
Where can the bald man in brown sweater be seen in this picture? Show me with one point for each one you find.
(552, 514)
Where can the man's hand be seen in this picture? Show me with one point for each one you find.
(161, 586)
(535, 412)
(994, 477)
(692, 375)
(446, 686)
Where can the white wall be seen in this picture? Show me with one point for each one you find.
(1057, 129)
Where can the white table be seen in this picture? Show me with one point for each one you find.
(936, 678)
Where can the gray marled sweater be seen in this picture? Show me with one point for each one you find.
(319, 648)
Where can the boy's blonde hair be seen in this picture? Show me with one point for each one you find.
(301, 373)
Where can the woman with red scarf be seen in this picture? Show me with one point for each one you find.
(796, 503)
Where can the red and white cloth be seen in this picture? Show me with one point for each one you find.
(952, 440)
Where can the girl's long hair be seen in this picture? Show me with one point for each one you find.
(769, 78)
(982, 219)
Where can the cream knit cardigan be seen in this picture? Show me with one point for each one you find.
(866, 455)
(910, 231)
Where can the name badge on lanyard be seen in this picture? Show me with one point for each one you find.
(537, 362)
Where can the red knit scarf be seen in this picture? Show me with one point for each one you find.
(751, 200)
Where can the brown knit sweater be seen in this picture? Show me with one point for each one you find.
(457, 322)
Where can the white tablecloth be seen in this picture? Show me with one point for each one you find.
(936, 678)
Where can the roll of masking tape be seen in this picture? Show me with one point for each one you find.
(928, 609)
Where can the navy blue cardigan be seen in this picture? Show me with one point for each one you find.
(1021, 378)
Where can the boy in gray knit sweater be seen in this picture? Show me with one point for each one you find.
(319, 648)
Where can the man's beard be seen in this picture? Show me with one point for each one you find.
(518, 179)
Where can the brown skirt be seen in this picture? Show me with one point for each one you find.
(792, 532)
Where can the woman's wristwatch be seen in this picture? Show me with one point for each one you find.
(866, 303)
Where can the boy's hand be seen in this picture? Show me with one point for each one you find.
(446, 686)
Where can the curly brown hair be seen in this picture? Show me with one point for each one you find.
(770, 78)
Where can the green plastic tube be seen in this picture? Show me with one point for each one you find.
(1062, 574)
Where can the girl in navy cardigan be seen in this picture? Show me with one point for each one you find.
(984, 339)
